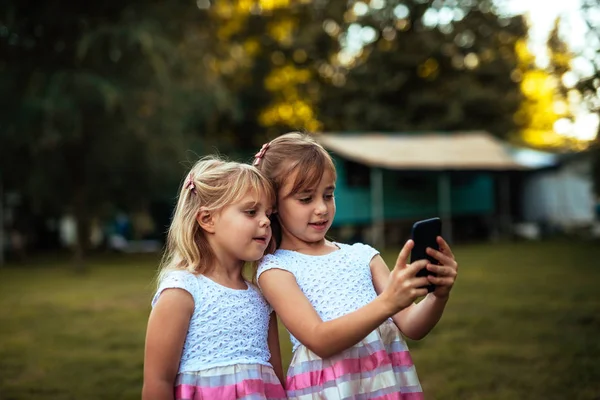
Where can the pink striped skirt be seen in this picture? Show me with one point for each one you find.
(378, 367)
(241, 381)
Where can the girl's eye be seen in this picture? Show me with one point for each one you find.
(251, 212)
(329, 196)
(305, 200)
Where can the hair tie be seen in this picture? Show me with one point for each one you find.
(261, 153)
(190, 183)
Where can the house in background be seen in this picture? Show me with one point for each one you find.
(386, 182)
(558, 195)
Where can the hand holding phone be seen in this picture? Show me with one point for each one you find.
(424, 234)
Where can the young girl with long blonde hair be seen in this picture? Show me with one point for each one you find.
(211, 334)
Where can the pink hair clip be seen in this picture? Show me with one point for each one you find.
(190, 183)
(261, 153)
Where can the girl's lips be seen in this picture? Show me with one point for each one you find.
(319, 225)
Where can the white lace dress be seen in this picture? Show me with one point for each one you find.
(225, 354)
(338, 283)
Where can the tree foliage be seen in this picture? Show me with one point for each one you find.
(545, 106)
(99, 100)
(387, 65)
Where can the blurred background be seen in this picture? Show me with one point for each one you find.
(485, 113)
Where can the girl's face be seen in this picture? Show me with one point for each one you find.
(242, 230)
(305, 217)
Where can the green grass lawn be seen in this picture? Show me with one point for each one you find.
(523, 323)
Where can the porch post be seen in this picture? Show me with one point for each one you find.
(505, 218)
(445, 204)
(377, 211)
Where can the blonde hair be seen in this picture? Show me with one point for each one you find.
(292, 152)
(213, 184)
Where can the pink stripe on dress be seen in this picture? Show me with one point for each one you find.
(240, 389)
(348, 366)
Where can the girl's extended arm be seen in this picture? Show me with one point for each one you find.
(274, 348)
(167, 329)
(328, 338)
(417, 320)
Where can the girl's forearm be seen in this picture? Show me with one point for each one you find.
(331, 337)
(418, 320)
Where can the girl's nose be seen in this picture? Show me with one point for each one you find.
(321, 208)
(265, 221)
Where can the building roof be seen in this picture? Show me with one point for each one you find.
(533, 158)
(476, 150)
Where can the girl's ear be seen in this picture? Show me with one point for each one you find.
(206, 220)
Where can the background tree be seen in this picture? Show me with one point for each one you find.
(392, 66)
(266, 53)
(96, 100)
(544, 116)
(427, 66)
(589, 86)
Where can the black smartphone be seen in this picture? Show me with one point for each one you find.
(424, 234)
